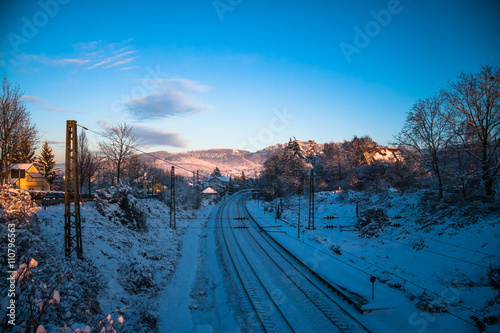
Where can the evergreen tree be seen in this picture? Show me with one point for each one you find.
(243, 177)
(47, 161)
(216, 172)
(312, 153)
(294, 149)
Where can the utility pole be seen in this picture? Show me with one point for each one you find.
(311, 201)
(197, 177)
(72, 225)
(172, 199)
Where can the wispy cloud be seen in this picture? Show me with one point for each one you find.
(43, 59)
(112, 59)
(59, 110)
(173, 97)
(63, 62)
(121, 62)
(33, 99)
(150, 137)
(96, 54)
(108, 55)
(44, 104)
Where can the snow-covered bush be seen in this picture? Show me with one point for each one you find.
(137, 278)
(373, 221)
(186, 197)
(18, 216)
(16, 205)
(426, 303)
(490, 313)
(119, 203)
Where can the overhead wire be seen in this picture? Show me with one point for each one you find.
(391, 273)
(143, 152)
(329, 255)
(457, 246)
(434, 252)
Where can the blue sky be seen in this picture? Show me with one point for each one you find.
(242, 74)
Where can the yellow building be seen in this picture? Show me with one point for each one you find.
(25, 176)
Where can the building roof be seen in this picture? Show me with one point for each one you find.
(36, 174)
(20, 166)
(225, 179)
(209, 190)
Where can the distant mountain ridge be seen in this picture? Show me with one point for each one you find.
(229, 161)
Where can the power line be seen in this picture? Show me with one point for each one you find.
(437, 253)
(391, 273)
(143, 152)
(458, 246)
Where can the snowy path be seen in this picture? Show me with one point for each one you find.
(174, 303)
(196, 298)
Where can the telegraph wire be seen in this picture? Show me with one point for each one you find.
(433, 252)
(328, 254)
(458, 246)
(389, 272)
(143, 152)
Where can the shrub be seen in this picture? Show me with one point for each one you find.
(373, 221)
(120, 203)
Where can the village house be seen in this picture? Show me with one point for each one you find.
(25, 176)
(220, 181)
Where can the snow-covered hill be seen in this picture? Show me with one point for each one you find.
(117, 285)
(229, 161)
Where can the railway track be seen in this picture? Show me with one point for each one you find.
(284, 296)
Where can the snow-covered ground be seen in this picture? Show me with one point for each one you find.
(431, 264)
(435, 259)
(129, 265)
(120, 282)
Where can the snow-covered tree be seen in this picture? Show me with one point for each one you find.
(476, 99)
(46, 159)
(15, 126)
(333, 164)
(426, 136)
(312, 153)
(358, 149)
(294, 149)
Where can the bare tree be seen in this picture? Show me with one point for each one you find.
(333, 164)
(119, 147)
(136, 169)
(476, 99)
(15, 126)
(426, 135)
(24, 152)
(88, 162)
